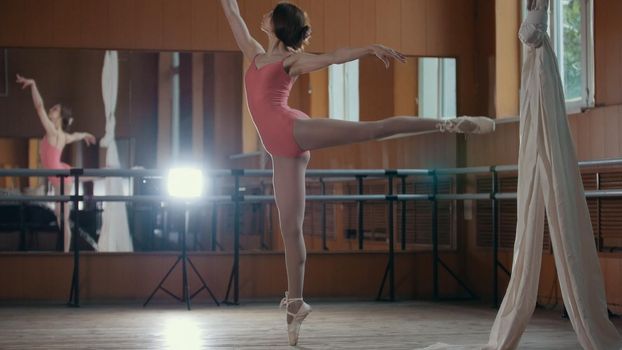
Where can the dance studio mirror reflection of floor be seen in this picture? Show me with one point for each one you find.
(354, 325)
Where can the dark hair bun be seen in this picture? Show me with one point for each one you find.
(291, 25)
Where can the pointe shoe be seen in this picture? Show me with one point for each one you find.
(468, 125)
(293, 328)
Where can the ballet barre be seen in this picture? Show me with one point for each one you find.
(238, 197)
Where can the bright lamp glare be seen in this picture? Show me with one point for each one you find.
(183, 333)
(185, 183)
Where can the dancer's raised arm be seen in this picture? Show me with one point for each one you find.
(247, 44)
(38, 103)
(305, 63)
(79, 136)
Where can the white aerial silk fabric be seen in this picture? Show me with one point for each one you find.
(549, 179)
(115, 233)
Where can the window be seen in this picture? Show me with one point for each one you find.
(437, 88)
(343, 91)
(571, 32)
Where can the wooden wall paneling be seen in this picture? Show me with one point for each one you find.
(337, 25)
(315, 11)
(484, 60)
(462, 26)
(94, 20)
(363, 23)
(616, 113)
(39, 28)
(253, 13)
(389, 23)
(13, 152)
(513, 140)
(438, 31)
(583, 145)
(507, 14)
(262, 275)
(120, 19)
(148, 19)
(204, 27)
(227, 106)
(616, 73)
(12, 17)
(611, 126)
(250, 138)
(226, 41)
(414, 27)
(575, 132)
(467, 95)
(67, 29)
(597, 133)
(612, 267)
(318, 83)
(177, 24)
(613, 54)
(406, 87)
(376, 90)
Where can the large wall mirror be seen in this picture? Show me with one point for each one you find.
(172, 106)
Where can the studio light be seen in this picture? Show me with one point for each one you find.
(185, 183)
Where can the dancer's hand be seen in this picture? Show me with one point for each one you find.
(385, 54)
(25, 82)
(89, 139)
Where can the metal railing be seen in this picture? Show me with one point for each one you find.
(237, 198)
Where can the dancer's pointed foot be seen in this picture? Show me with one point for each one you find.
(467, 125)
(297, 311)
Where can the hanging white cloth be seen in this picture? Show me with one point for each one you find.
(549, 179)
(115, 233)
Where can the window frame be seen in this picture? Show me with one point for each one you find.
(588, 93)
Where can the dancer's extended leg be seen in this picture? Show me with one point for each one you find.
(319, 133)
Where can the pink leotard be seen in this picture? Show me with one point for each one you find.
(50, 159)
(267, 91)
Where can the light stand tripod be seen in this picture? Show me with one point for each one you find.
(183, 257)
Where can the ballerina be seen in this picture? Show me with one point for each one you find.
(288, 134)
(56, 121)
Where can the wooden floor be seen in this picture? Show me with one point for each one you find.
(403, 325)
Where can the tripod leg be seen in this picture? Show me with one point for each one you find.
(162, 281)
(226, 300)
(204, 285)
(186, 297)
(384, 280)
(73, 286)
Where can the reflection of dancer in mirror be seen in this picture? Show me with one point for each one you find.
(56, 121)
(288, 134)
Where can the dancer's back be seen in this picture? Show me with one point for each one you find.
(267, 91)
